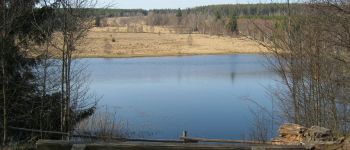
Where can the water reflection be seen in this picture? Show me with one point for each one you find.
(233, 77)
(201, 94)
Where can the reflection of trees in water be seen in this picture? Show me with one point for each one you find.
(179, 74)
(233, 76)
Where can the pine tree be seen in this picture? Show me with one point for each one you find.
(232, 24)
(179, 13)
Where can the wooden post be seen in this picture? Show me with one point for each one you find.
(185, 138)
(184, 134)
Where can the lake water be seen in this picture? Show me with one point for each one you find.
(204, 95)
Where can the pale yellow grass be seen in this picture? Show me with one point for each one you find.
(99, 43)
(135, 29)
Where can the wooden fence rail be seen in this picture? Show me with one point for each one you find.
(66, 145)
(37, 131)
(183, 139)
(196, 140)
(95, 137)
(184, 143)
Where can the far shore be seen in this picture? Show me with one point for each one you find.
(107, 43)
(159, 55)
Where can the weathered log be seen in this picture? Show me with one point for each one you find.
(290, 134)
(293, 134)
(318, 134)
(291, 129)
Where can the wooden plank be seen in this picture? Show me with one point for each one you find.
(53, 145)
(93, 136)
(162, 146)
(64, 145)
(221, 140)
(278, 147)
(37, 131)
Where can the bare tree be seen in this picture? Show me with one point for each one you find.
(74, 26)
(310, 50)
(3, 88)
(190, 39)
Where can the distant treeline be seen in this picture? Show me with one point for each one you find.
(101, 12)
(212, 19)
(234, 9)
(274, 9)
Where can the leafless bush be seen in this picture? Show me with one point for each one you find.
(260, 126)
(263, 123)
(192, 22)
(104, 123)
(189, 39)
(152, 29)
(311, 53)
(140, 29)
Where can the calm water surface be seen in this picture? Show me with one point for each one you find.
(205, 95)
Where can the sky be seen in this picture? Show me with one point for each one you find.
(161, 4)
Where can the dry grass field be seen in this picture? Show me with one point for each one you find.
(117, 42)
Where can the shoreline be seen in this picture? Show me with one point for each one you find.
(166, 55)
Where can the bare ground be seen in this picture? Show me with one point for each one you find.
(110, 42)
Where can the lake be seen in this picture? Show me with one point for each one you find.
(204, 95)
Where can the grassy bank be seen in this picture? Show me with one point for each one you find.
(111, 42)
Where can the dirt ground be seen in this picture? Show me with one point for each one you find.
(113, 42)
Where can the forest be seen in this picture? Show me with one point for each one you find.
(228, 19)
(273, 9)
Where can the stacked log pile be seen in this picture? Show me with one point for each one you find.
(290, 134)
(314, 137)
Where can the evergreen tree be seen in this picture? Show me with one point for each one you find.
(179, 13)
(218, 15)
(21, 103)
(232, 24)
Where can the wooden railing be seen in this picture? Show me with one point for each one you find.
(184, 143)
(183, 138)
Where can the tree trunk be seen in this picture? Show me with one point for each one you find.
(4, 75)
(4, 99)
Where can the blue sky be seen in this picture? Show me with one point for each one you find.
(155, 4)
